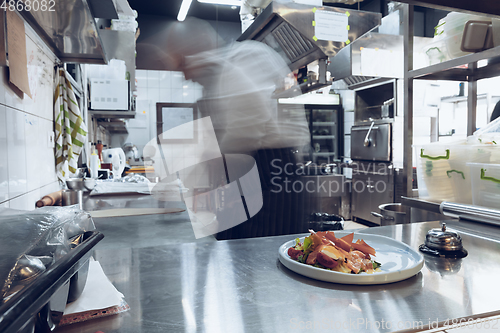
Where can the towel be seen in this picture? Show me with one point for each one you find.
(70, 128)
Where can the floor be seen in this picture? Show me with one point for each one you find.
(349, 225)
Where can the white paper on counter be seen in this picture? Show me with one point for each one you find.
(99, 292)
(107, 187)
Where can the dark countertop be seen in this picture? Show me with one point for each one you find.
(239, 285)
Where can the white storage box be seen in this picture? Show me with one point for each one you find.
(459, 172)
(432, 166)
(485, 184)
(108, 94)
(454, 30)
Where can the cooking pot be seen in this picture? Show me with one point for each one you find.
(391, 213)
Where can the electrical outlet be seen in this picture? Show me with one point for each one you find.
(51, 139)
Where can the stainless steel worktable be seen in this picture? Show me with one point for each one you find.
(240, 286)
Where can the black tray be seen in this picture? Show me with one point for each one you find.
(25, 305)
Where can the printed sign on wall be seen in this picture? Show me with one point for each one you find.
(310, 2)
(331, 26)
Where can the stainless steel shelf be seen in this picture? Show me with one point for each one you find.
(451, 70)
(460, 69)
(301, 89)
(115, 127)
(108, 114)
(457, 99)
(488, 7)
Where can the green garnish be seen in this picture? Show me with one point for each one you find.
(376, 264)
(307, 244)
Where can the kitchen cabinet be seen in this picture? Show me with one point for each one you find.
(464, 69)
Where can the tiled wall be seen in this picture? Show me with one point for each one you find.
(155, 87)
(27, 168)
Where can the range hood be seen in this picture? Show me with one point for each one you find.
(372, 58)
(300, 33)
(69, 29)
(375, 57)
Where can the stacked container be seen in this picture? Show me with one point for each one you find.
(485, 184)
(448, 37)
(432, 166)
(443, 171)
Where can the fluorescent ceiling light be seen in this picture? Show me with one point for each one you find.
(184, 10)
(223, 2)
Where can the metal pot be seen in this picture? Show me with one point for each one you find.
(391, 213)
(81, 184)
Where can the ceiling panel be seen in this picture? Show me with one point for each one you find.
(170, 8)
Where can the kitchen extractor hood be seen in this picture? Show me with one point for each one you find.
(374, 57)
(69, 29)
(302, 34)
(371, 58)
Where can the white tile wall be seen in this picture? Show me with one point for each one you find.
(16, 152)
(159, 87)
(27, 167)
(4, 172)
(34, 139)
(165, 78)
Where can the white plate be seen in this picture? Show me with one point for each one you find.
(399, 262)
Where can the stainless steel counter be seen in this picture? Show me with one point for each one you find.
(240, 286)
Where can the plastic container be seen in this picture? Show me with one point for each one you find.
(432, 166)
(94, 165)
(454, 29)
(485, 184)
(436, 51)
(442, 170)
(459, 172)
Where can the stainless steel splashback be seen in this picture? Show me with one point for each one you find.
(289, 29)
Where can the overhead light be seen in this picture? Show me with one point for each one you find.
(223, 2)
(184, 10)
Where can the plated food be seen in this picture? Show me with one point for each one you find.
(324, 250)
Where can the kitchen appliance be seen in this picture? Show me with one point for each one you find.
(296, 32)
(108, 94)
(375, 180)
(115, 156)
(132, 155)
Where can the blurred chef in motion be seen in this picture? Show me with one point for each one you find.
(238, 82)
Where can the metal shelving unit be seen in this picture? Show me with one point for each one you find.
(108, 114)
(463, 69)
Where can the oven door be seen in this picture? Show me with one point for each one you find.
(371, 142)
(370, 190)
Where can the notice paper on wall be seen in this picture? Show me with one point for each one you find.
(331, 26)
(16, 43)
(310, 2)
